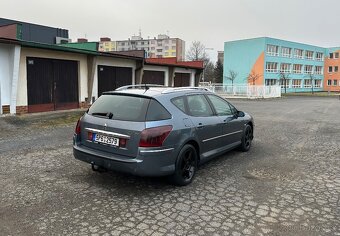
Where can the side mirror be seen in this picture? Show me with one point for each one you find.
(240, 114)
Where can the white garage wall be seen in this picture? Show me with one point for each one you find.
(5, 75)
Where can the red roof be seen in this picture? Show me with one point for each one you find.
(172, 61)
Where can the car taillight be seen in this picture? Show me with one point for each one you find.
(154, 137)
(77, 130)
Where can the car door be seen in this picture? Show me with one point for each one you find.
(205, 122)
(232, 126)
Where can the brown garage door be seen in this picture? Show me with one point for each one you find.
(111, 77)
(182, 80)
(51, 84)
(153, 77)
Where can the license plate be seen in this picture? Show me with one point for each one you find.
(105, 139)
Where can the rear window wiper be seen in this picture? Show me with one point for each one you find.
(106, 114)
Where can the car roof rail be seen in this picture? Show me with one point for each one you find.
(171, 90)
(141, 86)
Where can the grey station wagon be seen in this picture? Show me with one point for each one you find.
(150, 130)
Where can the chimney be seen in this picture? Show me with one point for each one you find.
(82, 40)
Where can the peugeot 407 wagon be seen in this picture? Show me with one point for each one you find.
(150, 130)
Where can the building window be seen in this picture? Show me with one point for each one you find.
(166, 48)
(285, 68)
(159, 50)
(173, 47)
(331, 55)
(286, 52)
(174, 41)
(309, 55)
(308, 69)
(329, 82)
(271, 67)
(166, 54)
(317, 83)
(319, 56)
(298, 53)
(272, 50)
(336, 68)
(335, 82)
(330, 69)
(173, 54)
(308, 83)
(284, 83)
(153, 48)
(270, 82)
(318, 70)
(296, 83)
(336, 55)
(297, 68)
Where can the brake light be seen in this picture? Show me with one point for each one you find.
(154, 137)
(77, 130)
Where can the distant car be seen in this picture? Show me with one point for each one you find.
(150, 130)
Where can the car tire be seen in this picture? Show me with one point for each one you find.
(186, 166)
(246, 138)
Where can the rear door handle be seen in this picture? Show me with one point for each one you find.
(200, 125)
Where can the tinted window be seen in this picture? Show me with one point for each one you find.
(121, 107)
(179, 103)
(157, 112)
(199, 106)
(221, 106)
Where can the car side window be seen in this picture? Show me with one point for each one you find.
(233, 109)
(221, 106)
(199, 106)
(179, 103)
(156, 112)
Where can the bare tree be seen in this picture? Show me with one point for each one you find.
(197, 52)
(253, 76)
(209, 74)
(231, 76)
(284, 77)
(311, 77)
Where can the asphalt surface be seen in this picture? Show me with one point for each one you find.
(287, 184)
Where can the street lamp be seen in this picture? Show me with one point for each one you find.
(204, 62)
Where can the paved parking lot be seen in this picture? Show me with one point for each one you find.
(287, 184)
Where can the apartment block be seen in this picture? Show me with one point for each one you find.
(161, 47)
(267, 61)
(331, 70)
(32, 32)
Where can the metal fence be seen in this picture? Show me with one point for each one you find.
(245, 91)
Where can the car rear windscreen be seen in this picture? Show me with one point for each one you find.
(120, 107)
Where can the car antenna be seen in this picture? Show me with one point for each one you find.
(146, 87)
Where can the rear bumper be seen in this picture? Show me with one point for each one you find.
(155, 162)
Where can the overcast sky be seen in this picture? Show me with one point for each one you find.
(212, 22)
